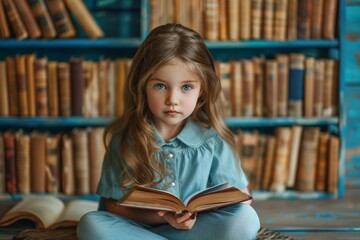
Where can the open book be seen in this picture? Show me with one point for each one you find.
(48, 211)
(216, 196)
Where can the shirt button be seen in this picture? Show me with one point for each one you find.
(172, 184)
(169, 155)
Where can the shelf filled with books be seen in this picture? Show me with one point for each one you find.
(281, 73)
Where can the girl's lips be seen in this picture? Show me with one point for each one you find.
(171, 112)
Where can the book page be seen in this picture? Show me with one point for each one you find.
(206, 191)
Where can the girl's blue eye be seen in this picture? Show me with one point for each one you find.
(186, 87)
(159, 86)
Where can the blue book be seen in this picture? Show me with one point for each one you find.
(296, 84)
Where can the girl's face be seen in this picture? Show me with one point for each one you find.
(172, 93)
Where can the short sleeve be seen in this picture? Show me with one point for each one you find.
(226, 167)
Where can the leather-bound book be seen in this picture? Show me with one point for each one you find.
(121, 68)
(296, 135)
(64, 81)
(322, 163)
(53, 89)
(223, 20)
(304, 19)
(96, 156)
(319, 87)
(23, 161)
(4, 24)
(15, 21)
(248, 88)
(317, 18)
(333, 168)
(2, 165)
(211, 21)
(30, 76)
(269, 163)
(259, 91)
(234, 17)
(245, 19)
(296, 84)
(81, 161)
(256, 18)
(28, 18)
(309, 84)
(268, 19)
(329, 86)
(283, 83)
(12, 86)
(22, 85)
(77, 86)
(4, 97)
(280, 19)
(67, 166)
(10, 162)
(330, 16)
(271, 88)
(61, 18)
(52, 168)
(236, 88)
(292, 19)
(38, 162)
(41, 86)
(43, 18)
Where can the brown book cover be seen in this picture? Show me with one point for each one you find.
(260, 162)
(306, 175)
(111, 88)
(245, 19)
(91, 89)
(336, 91)
(212, 30)
(28, 18)
(196, 15)
(225, 78)
(38, 162)
(268, 19)
(12, 86)
(333, 168)
(77, 86)
(322, 168)
(309, 84)
(259, 90)
(236, 88)
(4, 24)
(86, 20)
(2, 164)
(296, 135)
(223, 20)
(4, 97)
(52, 168)
(81, 161)
(15, 21)
(10, 162)
(41, 86)
(181, 12)
(121, 72)
(61, 18)
(53, 89)
(319, 87)
(281, 161)
(248, 88)
(283, 83)
(43, 18)
(271, 88)
(329, 21)
(103, 76)
(233, 22)
(21, 79)
(317, 18)
(30, 77)
(22, 141)
(64, 81)
(269, 163)
(304, 19)
(96, 155)
(280, 19)
(67, 165)
(329, 82)
(292, 19)
(256, 18)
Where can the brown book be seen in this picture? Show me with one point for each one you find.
(38, 162)
(260, 162)
(196, 15)
(121, 71)
(292, 19)
(248, 88)
(2, 165)
(30, 77)
(335, 98)
(111, 88)
(52, 168)
(317, 18)
(86, 20)
(322, 168)
(77, 86)
(280, 19)
(103, 76)
(81, 161)
(306, 175)
(22, 141)
(319, 87)
(233, 20)
(296, 134)
(304, 19)
(43, 18)
(15, 21)
(209, 198)
(96, 155)
(256, 18)
(181, 11)
(4, 25)
(269, 163)
(281, 161)
(211, 20)
(67, 165)
(309, 86)
(12, 86)
(64, 81)
(236, 88)
(333, 168)
(329, 21)
(283, 83)
(10, 162)
(268, 19)
(53, 85)
(245, 19)
(22, 85)
(271, 88)
(224, 73)
(28, 18)
(4, 98)
(41, 86)
(91, 89)
(223, 20)
(329, 82)
(61, 18)
(259, 90)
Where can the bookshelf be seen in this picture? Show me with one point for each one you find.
(126, 23)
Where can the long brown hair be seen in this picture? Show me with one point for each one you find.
(137, 144)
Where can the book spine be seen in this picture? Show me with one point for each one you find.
(10, 162)
(103, 73)
(268, 20)
(67, 166)
(212, 20)
(22, 85)
(269, 163)
(81, 160)
(64, 81)
(317, 19)
(96, 153)
(14, 18)
(2, 164)
(259, 85)
(52, 164)
(271, 83)
(256, 18)
(292, 19)
(22, 142)
(225, 78)
(245, 19)
(121, 76)
(329, 21)
(319, 87)
(43, 18)
(38, 162)
(321, 168)
(4, 25)
(304, 19)
(234, 25)
(296, 134)
(53, 96)
(328, 107)
(296, 84)
(77, 86)
(333, 169)
(223, 20)
(280, 20)
(41, 87)
(61, 18)
(12, 86)
(236, 88)
(309, 86)
(283, 83)
(31, 91)
(28, 18)
(4, 98)
(248, 88)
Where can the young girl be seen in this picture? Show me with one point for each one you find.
(171, 137)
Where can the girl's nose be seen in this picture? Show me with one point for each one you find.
(172, 98)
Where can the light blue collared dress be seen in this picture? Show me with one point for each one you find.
(197, 158)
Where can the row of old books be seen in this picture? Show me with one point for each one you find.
(250, 19)
(33, 86)
(299, 158)
(23, 19)
(292, 85)
(41, 162)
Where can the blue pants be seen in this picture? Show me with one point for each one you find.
(229, 223)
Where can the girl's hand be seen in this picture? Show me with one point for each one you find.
(185, 222)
